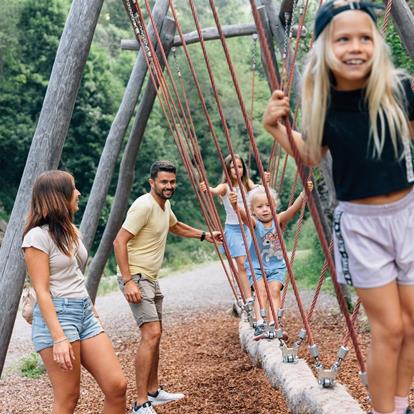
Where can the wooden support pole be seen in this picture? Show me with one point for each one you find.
(404, 24)
(127, 172)
(278, 32)
(269, 38)
(116, 134)
(209, 33)
(45, 151)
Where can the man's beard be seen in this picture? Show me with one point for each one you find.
(161, 194)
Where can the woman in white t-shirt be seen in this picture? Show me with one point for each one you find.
(65, 329)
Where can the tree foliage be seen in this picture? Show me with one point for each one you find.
(29, 36)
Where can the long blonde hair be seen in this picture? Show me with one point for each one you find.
(384, 95)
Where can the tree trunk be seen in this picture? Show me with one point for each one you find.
(404, 24)
(116, 134)
(126, 173)
(45, 151)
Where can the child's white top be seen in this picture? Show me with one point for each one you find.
(231, 216)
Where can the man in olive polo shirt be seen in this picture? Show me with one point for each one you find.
(139, 250)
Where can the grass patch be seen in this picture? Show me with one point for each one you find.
(32, 366)
(108, 284)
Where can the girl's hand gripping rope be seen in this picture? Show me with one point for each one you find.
(277, 108)
(233, 199)
(203, 187)
(267, 177)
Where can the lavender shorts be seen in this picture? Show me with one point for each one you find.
(374, 244)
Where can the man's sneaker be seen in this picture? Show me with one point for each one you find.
(259, 332)
(164, 397)
(145, 408)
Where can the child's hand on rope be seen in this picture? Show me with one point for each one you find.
(309, 184)
(203, 187)
(233, 199)
(267, 177)
(277, 108)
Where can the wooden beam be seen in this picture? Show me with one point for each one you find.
(116, 134)
(209, 33)
(127, 172)
(45, 151)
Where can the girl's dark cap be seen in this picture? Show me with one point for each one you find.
(333, 7)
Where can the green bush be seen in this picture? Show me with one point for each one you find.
(32, 366)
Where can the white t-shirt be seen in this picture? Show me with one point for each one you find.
(65, 277)
(231, 216)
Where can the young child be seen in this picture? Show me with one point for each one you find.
(357, 105)
(232, 230)
(270, 250)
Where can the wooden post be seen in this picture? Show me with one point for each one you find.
(126, 173)
(404, 24)
(116, 134)
(45, 151)
(279, 35)
(269, 38)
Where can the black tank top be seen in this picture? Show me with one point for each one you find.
(358, 172)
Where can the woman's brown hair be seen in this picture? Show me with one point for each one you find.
(51, 204)
(245, 179)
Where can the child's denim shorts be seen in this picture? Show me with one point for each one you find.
(234, 239)
(76, 318)
(274, 275)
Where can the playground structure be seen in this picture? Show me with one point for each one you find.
(58, 105)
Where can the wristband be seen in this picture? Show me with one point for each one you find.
(125, 282)
(60, 340)
(203, 236)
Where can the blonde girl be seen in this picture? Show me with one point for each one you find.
(270, 250)
(357, 105)
(65, 329)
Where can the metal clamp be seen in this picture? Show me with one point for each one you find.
(289, 355)
(327, 377)
(363, 376)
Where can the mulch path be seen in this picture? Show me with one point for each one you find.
(201, 356)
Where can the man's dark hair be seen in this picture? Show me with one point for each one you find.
(162, 165)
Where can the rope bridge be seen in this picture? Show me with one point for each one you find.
(174, 102)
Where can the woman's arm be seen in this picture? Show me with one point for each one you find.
(37, 263)
(219, 190)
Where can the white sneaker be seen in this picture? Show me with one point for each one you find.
(145, 408)
(164, 397)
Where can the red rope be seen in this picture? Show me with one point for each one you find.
(311, 202)
(256, 151)
(179, 146)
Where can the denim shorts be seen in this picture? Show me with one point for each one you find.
(76, 318)
(275, 275)
(234, 239)
(150, 307)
